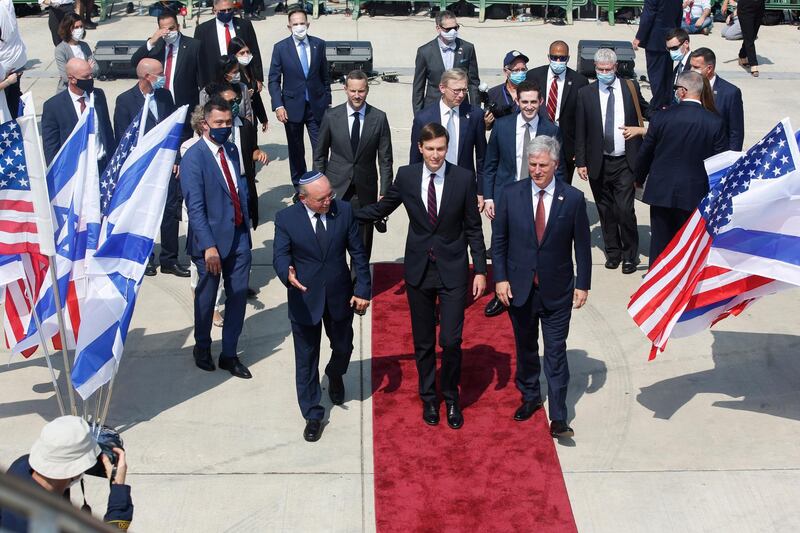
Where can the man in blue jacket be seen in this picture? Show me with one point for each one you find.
(312, 240)
(727, 96)
(657, 19)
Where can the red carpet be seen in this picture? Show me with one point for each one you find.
(494, 474)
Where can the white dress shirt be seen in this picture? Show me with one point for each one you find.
(533, 125)
(438, 184)
(77, 51)
(236, 139)
(215, 153)
(300, 50)
(351, 118)
(311, 216)
(560, 84)
(444, 116)
(13, 54)
(548, 197)
(175, 46)
(619, 114)
(712, 80)
(223, 46)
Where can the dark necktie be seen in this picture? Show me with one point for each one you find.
(539, 222)
(608, 129)
(82, 102)
(322, 234)
(552, 100)
(168, 69)
(355, 133)
(237, 207)
(523, 162)
(432, 201)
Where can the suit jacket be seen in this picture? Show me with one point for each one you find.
(517, 255)
(501, 154)
(471, 137)
(589, 127)
(678, 70)
(323, 272)
(208, 200)
(288, 85)
(59, 119)
(728, 100)
(658, 17)
(573, 82)
(334, 157)
(186, 82)
(429, 67)
(677, 142)
(63, 53)
(131, 102)
(206, 33)
(458, 224)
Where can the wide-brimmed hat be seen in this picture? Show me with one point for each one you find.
(64, 449)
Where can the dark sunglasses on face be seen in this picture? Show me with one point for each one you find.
(229, 10)
(456, 27)
(559, 58)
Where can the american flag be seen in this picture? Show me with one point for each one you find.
(108, 181)
(736, 247)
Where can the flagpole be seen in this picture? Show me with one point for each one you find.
(63, 331)
(110, 390)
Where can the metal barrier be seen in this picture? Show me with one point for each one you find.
(568, 5)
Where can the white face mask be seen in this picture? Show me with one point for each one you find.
(449, 36)
(299, 31)
(244, 60)
(171, 37)
(78, 33)
(236, 78)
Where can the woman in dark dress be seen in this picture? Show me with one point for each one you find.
(751, 13)
(238, 49)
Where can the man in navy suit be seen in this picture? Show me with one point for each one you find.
(506, 155)
(159, 106)
(727, 96)
(464, 123)
(60, 113)
(219, 235)
(671, 159)
(679, 49)
(312, 239)
(538, 224)
(300, 88)
(657, 19)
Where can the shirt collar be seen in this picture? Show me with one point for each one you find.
(551, 75)
(712, 81)
(361, 111)
(692, 100)
(616, 85)
(445, 47)
(211, 146)
(534, 122)
(75, 97)
(444, 109)
(298, 41)
(550, 189)
(311, 213)
(439, 173)
(221, 24)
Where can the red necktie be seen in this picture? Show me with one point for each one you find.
(168, 71)
(227, 35)
(552, 99)
(237, 207)
(432, 201)
(82, 101)
(688, 15)
(540, 223)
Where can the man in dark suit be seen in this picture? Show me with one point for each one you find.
(180, 57)
(300, 88)
(727, 96)
(464, 123)
(679, 49)
(215, 35)
(312, 240)
(60, 113)
(538, 224)
(608, 137)
(671, 161)
(506, 155)
(352, 137)
(501, 100)
(219, 235)
(443, 219)
(657, 19)
(447, 51)
(150, 87)
(559, 86)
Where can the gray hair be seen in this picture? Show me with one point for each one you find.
(455, 74)
(692, 82)
(542, 144)
(605, 55)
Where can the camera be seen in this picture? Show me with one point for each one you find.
(107, 439)
(498, 110)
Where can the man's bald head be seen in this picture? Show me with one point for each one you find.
(79, 68)
(147, 67)
(317, 195)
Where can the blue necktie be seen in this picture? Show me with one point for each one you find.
(452, 146)
(303, 57)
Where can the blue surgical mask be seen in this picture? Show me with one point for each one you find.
(159, 83)
(607, 78)
(225, 18)
(517, 77)
(558, 67)
(219, 135)
(676, 55)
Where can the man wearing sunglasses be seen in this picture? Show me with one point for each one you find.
(657, 19)
(679, 51)
(445, 52)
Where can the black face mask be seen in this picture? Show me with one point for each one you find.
(86, 86)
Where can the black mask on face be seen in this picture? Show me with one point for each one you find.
(86, 85)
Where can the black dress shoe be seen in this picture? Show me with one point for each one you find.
(628, 267)
(177, 270)
(203, 360)
(89, 25)
(336, 389)
(150, 270)
(380, 225)
(526, 410)
(235, 367)
(430, 413)
(454, 417)
(313, 430)
(560, 430)
(494, 308)
(611, 264)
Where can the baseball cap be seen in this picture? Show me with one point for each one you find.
(512, 56)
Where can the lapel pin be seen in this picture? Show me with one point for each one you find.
(560, 198)
(569, 83)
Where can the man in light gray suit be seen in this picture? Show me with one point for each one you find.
(352, 137)
(443, 53)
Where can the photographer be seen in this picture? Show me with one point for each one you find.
(501, 100)
(61, 455)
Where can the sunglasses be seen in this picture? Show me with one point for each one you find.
(229, 10)
(559, 58)
(676, 87)
(456, 27)
(673, 48)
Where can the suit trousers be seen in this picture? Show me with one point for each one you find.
(54, 17)
(365, 230)
(235, 273)
(659, 72)
(422, 304)
(296, 141)
(665, 222)
(569, 168)
(169, 226)
(525, 320)
(614, 194)
(306, 359)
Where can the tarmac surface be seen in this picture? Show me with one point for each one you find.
(700, 439)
